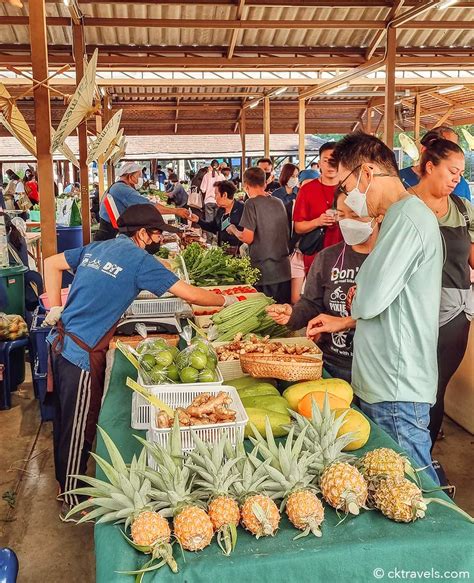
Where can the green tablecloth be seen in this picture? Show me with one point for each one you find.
(349, 552)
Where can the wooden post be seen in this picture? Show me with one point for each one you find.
(79, 53)
(67, 175)
(389, 132)
(301, 134)
(242, 123)
(39, 61)
(266, 127)
(107, 113)
(100, 161)
(417, 117)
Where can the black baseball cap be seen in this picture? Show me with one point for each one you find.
(143, 216)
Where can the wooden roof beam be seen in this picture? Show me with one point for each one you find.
(198, 24)
(374, 45)
(267, 3)
(235, 33)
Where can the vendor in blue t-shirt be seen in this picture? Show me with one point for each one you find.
(124, 194)
(411, 176)
(109, 275)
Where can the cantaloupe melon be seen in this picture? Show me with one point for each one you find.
(305, 405)
(337, 387)
(357, 423)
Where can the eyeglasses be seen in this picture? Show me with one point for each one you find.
(341, 187)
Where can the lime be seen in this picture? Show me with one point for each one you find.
(189, 375)
(174, 351)
(207, 376)
(159, 344)
(147, 361)
(200, 344)
(198, 360)
(157, 374)
(172, 373)
(164, 358)
(211, 361)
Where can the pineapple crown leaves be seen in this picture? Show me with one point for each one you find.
(289, 468)
(212, 473)
(126, 492)
(253, 476)
(321, 435)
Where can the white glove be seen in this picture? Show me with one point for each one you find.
(229, 300)
(53, 316)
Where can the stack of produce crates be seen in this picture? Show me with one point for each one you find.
(39, 355)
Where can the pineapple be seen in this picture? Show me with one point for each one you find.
(259, 513)
(291, 479)
(172, 489)
(344, 487)
(215, 478)
(341, 484)
(399, 499)
(382, 462)
(126, 497)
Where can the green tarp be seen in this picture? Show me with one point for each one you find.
(359, 549)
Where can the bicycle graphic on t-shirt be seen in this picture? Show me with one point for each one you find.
(338, 294)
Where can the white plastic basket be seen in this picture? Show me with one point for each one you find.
(208, 433)
(141, 408)
(157, 306)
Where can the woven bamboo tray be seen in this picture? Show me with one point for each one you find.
(283, 367)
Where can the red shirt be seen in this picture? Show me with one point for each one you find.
(314, 199)
(32, 191)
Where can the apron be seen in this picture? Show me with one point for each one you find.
(97, 365)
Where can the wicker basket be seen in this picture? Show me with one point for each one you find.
(283, 367)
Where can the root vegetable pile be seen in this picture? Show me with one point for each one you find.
(205, 409)
(253, 344)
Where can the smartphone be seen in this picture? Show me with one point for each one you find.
(225, 224)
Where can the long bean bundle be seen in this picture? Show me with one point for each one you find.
(245, 317)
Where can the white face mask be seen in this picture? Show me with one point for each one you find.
(355, 232)
(357, 200)
(139, 184)
(292, 182)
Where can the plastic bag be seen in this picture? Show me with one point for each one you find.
(197, 363)
(157, 361)
(12, 327)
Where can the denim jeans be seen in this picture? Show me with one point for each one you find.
(407, 423)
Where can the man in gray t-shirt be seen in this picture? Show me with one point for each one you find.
(266, 233)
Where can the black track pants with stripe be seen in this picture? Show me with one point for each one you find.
(76, 409)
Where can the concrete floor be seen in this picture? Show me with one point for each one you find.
(52, 551)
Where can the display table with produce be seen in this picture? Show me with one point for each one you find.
(361, 548)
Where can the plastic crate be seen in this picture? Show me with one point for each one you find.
(157, 306)
(39, 346)
(141, 408)
(231, 369)
(208, 433)
(40, 385)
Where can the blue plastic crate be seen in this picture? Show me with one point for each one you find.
(38, 344)
(40, 384)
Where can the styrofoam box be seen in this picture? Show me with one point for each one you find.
(141, 408)
(231, 369)
(208, 433)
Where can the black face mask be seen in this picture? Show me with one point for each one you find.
(267, 175)
(153, 248)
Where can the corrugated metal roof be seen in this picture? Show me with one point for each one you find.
(256, 37)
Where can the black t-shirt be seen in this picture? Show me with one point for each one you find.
(330, 277)
(222, 220)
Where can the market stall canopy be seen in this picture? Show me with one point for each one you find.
(80, 105)
(14, 122)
